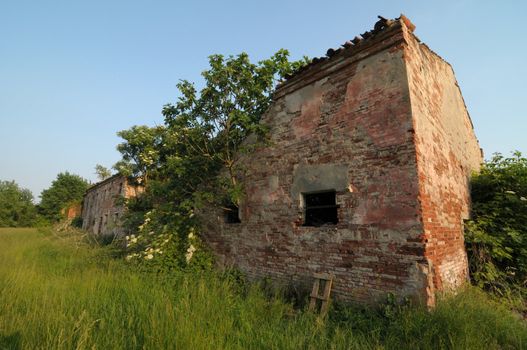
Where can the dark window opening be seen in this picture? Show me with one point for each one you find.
(232, 214)
(99, 228)
(321, 208)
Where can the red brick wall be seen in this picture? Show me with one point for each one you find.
(344, 125)
(384, 125)
(72, 211)
(447, 153)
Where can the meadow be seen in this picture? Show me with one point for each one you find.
(59, 292)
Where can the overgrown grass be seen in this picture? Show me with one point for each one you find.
(58, 293)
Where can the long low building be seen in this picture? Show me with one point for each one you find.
(103, 208)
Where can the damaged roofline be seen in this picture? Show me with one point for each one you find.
(351, 51)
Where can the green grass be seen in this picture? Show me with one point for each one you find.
(58, 293)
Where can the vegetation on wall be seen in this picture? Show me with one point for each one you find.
(102, 172)
(496, 235)
(16, 206)
(193, 159)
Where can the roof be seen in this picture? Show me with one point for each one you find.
(105, 181)
(355, 44)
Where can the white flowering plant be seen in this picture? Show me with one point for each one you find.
(195, 158)
(167, 246)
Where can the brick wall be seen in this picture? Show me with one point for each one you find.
(101, 210)
(447, 154)
(350, 124)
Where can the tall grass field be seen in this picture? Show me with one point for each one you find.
(57, 292)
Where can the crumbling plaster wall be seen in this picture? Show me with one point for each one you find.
(349, 128)
(447, 152)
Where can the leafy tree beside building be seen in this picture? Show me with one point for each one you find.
(193, 159)
(64, 190)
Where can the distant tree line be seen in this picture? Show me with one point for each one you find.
(16, 205)
(17, 208)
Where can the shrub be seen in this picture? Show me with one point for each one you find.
(77, 222)
(496, 236)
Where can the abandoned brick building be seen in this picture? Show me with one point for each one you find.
(365, 176)
(101, 208)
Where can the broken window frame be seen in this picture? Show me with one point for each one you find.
(309, 221)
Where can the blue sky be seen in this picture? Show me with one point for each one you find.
(73, 73)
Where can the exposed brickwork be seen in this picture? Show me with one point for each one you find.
(367, 124)
(447, 153)
(72, 211)
(101, 211)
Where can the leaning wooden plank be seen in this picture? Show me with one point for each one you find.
(314, 293)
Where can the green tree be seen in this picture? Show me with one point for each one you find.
(16, 205)
(140, 151)
(65, 189)
(496, 235)
(195, 157)
(102, 172)
(210, 126)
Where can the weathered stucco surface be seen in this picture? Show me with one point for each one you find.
(398, 166)
(101, 209)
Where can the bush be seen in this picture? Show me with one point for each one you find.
(167, 242)
(496, 236)
(77, 222)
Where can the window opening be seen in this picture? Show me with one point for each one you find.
(99, 228)
(321, 208)
(232, 214)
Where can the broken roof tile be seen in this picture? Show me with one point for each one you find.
(380, 26)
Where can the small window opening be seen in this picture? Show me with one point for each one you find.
(321, 208)
(99, 228)
(232, 214)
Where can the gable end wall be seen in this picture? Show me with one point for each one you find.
(447, 153)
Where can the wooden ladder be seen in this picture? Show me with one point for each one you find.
(324, 298)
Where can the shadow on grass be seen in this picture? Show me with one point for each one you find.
(11, 341)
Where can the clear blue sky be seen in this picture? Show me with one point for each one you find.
(73, 73)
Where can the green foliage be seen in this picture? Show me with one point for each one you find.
(468, 319)
(77, 222)
(102, 172)
(62, 294)
(194, 158)
(496, 236)
(208, 129)
(160, 242)
(65, 189)
(140, 151)
(16, 206)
